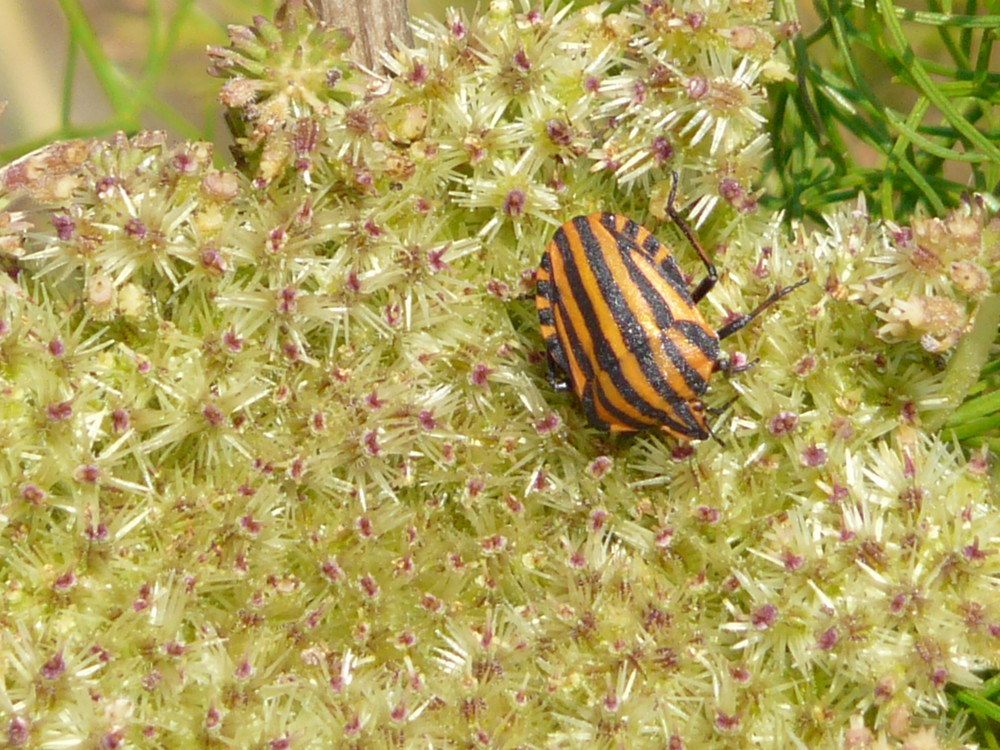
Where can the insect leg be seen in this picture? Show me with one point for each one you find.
(545, 303)
(556, 373)
(708, 282)
(734, 325)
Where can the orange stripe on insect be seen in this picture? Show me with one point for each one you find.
(621, 325)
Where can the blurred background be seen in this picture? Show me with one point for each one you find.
(35, 52)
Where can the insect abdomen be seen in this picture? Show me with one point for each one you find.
(620, 325)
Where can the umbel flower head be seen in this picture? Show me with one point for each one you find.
(283, 468)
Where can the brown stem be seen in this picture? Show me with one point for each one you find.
(373, 23)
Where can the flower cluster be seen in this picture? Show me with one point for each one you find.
(936, 270)
(282, 468)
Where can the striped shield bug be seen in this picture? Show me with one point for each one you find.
(622, 330)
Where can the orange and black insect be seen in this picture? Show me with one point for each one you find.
(621, 327)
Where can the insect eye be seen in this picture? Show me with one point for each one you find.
(697, 406)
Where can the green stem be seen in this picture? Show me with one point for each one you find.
(69, 78)
(922, 81)
(941, 19)
(108, 76)
(967, 362)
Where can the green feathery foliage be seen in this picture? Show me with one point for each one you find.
(930, 127)
(282, 468)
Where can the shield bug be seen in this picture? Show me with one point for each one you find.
(622, 330)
